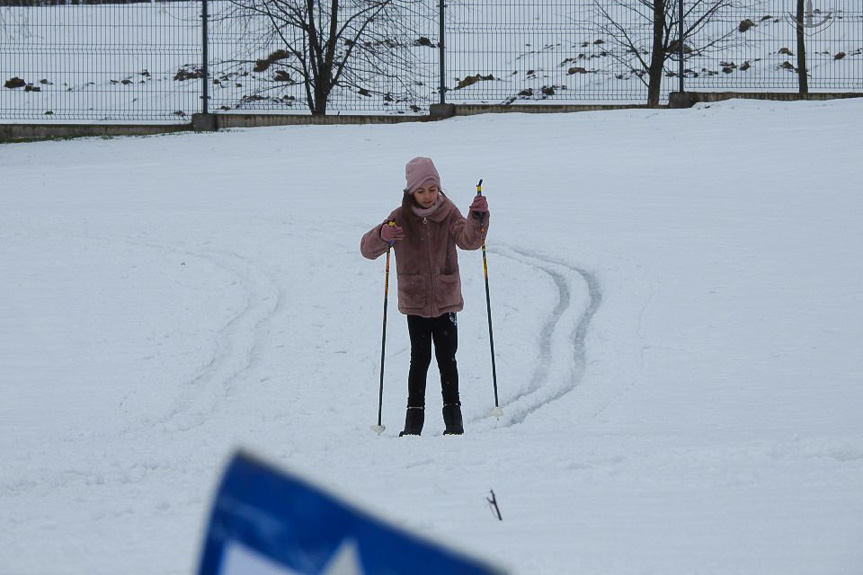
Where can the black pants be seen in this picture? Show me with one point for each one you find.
(443, 331)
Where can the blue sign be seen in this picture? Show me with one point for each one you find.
(267, 522)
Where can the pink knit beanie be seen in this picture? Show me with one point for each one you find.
(420, 171)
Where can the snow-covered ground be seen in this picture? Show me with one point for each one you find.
(678, 309)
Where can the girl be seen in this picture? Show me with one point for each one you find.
(424, 232)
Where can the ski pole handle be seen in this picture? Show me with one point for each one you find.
(481, 216)
(391, 224)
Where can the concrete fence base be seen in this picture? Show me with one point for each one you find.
(214, 122)
(689, 99)
(28, 132)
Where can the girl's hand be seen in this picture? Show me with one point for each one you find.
(392, 233)
(479, 204)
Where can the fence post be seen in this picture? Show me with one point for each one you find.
(205, 52)
(204, 121)
(442, 49)
(681, 99)
(442, 109)
(682, 52)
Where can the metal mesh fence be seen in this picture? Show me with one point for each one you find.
(510, 51)
(103, 61)
(761, 50)
(257, 48)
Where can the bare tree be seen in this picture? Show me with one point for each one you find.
(806, 21)
(325, 44)
(646, 54)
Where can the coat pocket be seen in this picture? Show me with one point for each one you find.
(412, 292)
(448, 293)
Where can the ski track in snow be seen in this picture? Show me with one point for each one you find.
(237, 345)
(238, 341)
(561, 339)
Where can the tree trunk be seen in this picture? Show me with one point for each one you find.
(657, 55)
(319, 106)
(321, 92)
(322, 56)
(802, 73)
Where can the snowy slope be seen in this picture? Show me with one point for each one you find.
(677, 311)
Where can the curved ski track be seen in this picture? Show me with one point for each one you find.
(199, 396)
(562, 356)
(237, 343)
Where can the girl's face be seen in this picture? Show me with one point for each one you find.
(426, 195)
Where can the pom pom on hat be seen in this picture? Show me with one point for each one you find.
(420, 171)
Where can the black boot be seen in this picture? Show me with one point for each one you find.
(452, 419)
(414, 419)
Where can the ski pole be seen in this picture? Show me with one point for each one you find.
(497, 411)
(379, 428)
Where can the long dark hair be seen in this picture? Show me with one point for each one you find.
(411, 220)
